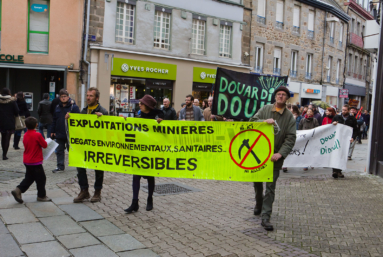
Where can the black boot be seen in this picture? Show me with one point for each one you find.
(267, 225)
(257, 209)
(133, 207)
(149, 205)
(16, 141)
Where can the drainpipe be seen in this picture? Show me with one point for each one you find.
(86, 43)
(324, 40)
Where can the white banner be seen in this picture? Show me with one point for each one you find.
(324, 146)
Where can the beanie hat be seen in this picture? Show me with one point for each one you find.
(284, 89)
(149, 101)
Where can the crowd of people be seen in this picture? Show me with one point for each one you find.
(53, 115)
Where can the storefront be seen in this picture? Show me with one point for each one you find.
(310, 93)
(203, 83)
(356, 95)
(332, 95)
(32, 79)
(132, 79)
(294, 88)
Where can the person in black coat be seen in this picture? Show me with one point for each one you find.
(8, 112)
(23, 112)
(348, 120)
(58, 128)
(45, 115)
(148, 111)
(169, 112)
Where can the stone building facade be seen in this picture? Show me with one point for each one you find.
(298, 43)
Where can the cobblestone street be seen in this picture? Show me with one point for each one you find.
(313, 215)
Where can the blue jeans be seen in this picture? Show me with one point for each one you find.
(60, 153)
(18, 132)
(42, 126)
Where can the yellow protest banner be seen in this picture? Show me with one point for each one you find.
(235, 151)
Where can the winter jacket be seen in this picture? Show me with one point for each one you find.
(44, 112)
(8, 111)
(327, 120)
(54, 104)
(366, 118)
(318, 117)
(284, 140)
(306, 124)
(297, 120)
(153, 114)
(350, 121)
(99, 108)
(23, 108)
(196, 111)
(33, 143)
(169, 113)
(58, 124)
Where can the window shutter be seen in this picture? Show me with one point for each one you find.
(332, 25)
(261, 8)
(277, 52)
(279, 16)
(311, 21)
(341, 33)
(296, 16)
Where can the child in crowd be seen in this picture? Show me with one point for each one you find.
(33, 161)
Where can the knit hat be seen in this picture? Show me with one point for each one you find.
(149, 101)
(284, 89)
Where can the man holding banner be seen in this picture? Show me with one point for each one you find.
(285, 136)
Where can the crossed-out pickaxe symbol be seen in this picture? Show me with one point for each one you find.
(246, 143)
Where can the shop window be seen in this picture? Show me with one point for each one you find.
(162, 28)
(125, 23)
(225, 41)
(198, 37)
(38, 26)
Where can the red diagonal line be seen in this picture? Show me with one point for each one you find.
(251, 148)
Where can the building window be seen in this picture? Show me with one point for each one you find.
(363, 31)
(349, 65)
(125, 23)
(296, 19)
(341, 35)
(355, 66)
(225, 41)
(293, 66)
(332, 29)
(311, 25)
(337, 71)
(360, 68)
(358, 28)
(279, 14)
(261, 14)
(364, 72)
(309, 63)
(258, 58)
(329, 67)
(353, 25)
(277, 61)
(198, 39)
(38, 29)
(162, 30)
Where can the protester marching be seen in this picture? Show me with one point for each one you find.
(295, 130)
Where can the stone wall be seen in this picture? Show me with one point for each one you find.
(246, 32)
(96, 19)
(271, 37)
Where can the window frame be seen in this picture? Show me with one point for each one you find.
(133, 27)
(277, 60)
(296, 29)
(228, 25)
(294, 63)
(338, 64)
(36, 32)
(309, 65)
(281, 21)
(199, 19)
(162, 10)
(259, 59)
(330, 68)
(311, 12)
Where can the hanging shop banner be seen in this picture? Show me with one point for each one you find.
(324, 146)
(240, 95)
(143, 69)
(179, 149)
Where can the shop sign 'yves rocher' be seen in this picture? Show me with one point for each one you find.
(143, 69)
(204, 75)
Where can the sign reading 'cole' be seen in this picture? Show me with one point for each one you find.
(144, 69)
(11, 58)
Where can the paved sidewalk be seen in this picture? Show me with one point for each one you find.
(61, 228)
(314, 214)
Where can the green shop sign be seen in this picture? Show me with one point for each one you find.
(204, 75)
(11, 58)
(143, 69)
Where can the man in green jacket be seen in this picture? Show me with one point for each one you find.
(285, 136)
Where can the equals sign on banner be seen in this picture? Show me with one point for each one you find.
(130, 138)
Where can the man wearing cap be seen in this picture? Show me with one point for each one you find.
(285, 135)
